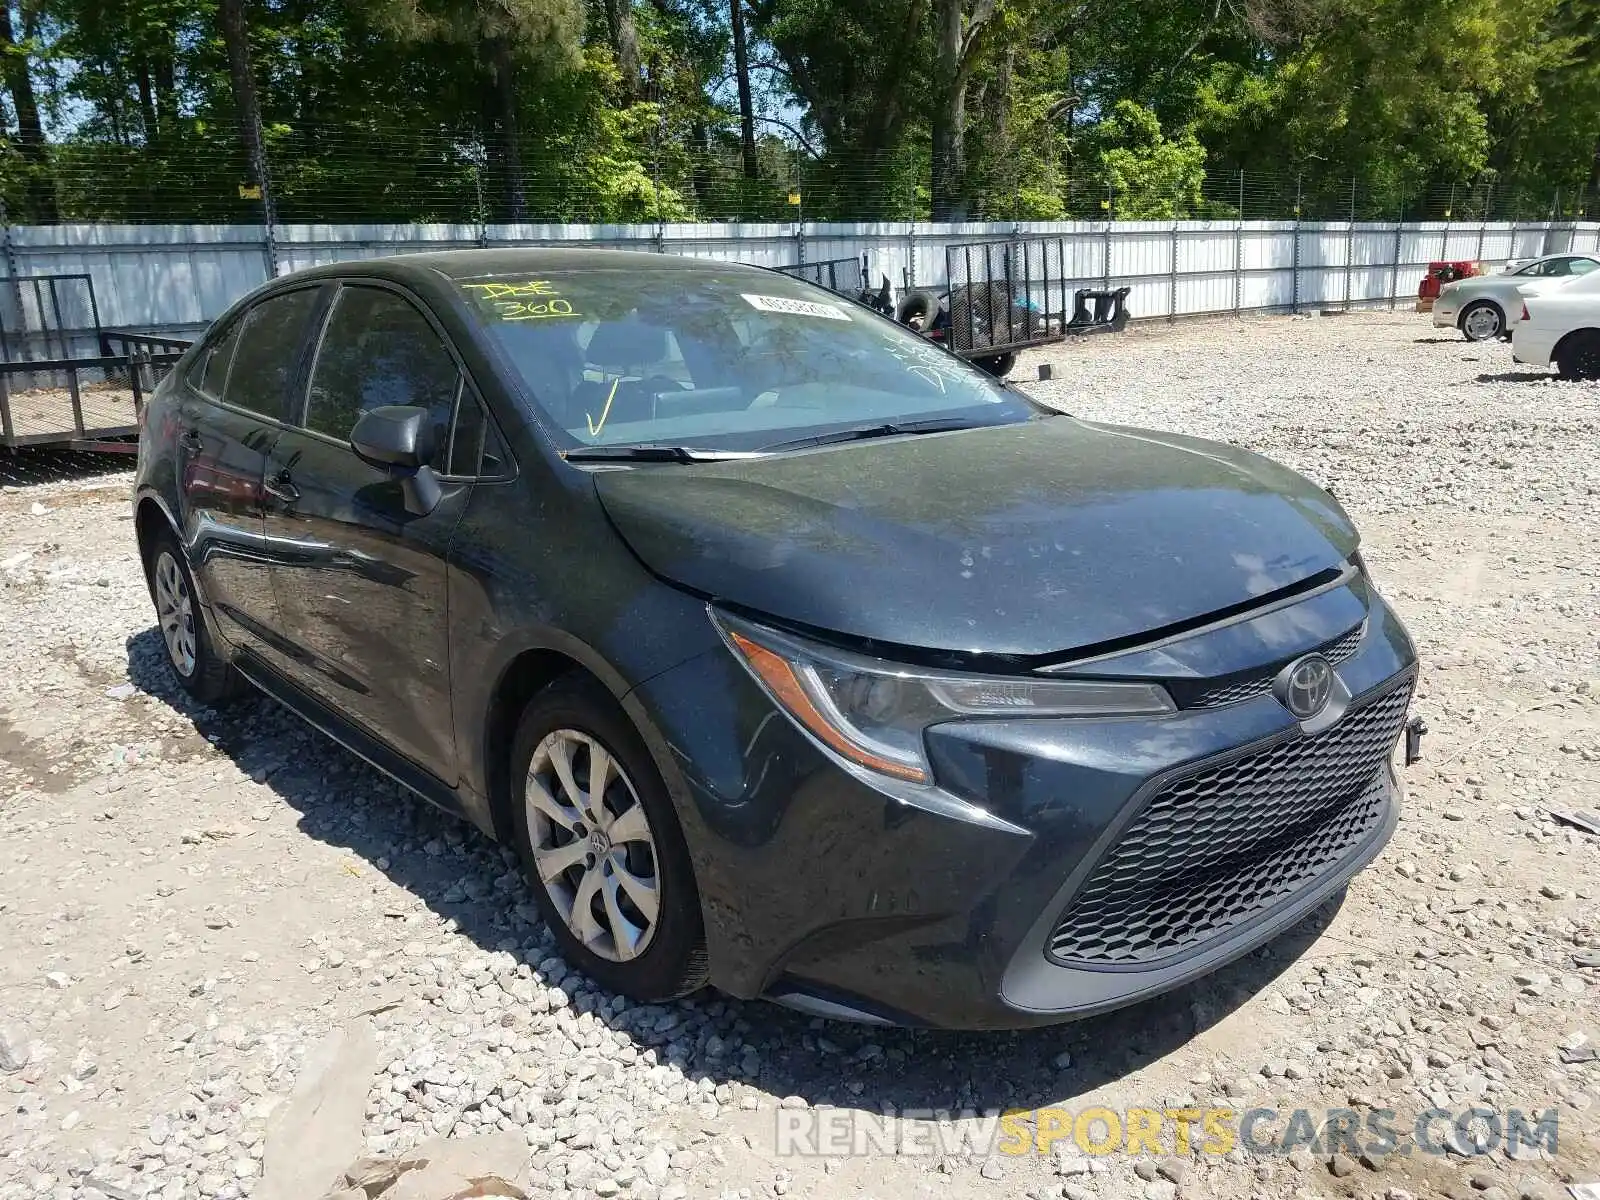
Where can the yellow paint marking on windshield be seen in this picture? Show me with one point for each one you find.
(528, 300)
(594, 430)
(503, 291)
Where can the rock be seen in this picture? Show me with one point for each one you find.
(14, 1051)
(992, 1169)
(1069, 1163)
(1341, 1165)
(1161, 1189)
(657, 1165)
(1145, 1169)
(1062, 1061)
(1173, 1169)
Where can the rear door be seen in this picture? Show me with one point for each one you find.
(363, 595)
(229, 415)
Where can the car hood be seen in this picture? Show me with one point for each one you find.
(1026, 540)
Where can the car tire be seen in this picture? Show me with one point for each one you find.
(998, 365)
(201, 670)
(626, 912)
(1482, 321)
(1578, 356)
(919, 306)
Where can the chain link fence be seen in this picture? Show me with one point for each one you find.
(377, 176)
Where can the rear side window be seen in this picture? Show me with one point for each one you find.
(1582, 266)
(377, 350)
(268, 355)
(211, 372)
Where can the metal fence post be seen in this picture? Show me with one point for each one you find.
(1238, 252)
(1172, 278)
(1444, 245)
(1350, 245)
(483, 212)
(1105, 254)
(1483, 219)
(1394, 267)
(1294, 293)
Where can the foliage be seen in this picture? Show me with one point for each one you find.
(488, 110)
(1146, 176)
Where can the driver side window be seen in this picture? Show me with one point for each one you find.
(377, 350)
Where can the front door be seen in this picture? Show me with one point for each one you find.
(360, 581)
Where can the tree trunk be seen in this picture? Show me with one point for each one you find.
(949, 114)
(624, 43)
(166, 92)
(246, 104)
(505, 90)
(747, 112)
(147, 103)
(30, 131)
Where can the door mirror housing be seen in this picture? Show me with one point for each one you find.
(399, 439)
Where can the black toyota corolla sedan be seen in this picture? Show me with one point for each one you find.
(791, 653)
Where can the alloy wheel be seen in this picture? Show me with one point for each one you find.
(1482, 323)
(175, 612)
(592, 844)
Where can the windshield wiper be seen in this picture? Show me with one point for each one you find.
(679, 454)
(885, 429)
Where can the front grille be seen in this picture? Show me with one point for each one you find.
(1222, 844)
(1238, 690)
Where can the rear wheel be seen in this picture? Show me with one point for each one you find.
(1482, 321)
(200, 669)
(601, 846)
(1578, 356)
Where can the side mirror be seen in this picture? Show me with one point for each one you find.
(395, 436)
(399, 439)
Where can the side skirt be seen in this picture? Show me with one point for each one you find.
(354, 739)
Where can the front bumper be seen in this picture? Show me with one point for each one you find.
(858, 897)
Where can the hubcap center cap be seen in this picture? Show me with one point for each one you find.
(599, 843)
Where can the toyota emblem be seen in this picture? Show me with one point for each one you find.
(1305, 686)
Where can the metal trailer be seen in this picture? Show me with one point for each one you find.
(1001, 297)
(64, 379)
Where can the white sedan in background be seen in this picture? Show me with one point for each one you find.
(1485, 307)
(1561, 327)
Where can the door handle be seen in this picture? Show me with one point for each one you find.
(191, 440)
(281, 486)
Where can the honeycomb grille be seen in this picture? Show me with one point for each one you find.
(1248, 688)
(1219, 846)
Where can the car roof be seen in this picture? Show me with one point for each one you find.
(467, 264)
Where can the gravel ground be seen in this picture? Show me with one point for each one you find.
(190, 899)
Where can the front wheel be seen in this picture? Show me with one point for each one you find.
(600, 844)
(1482, 321)
(1578, 356)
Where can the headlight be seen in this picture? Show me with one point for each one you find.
(873, 712)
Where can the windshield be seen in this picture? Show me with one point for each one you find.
(721, 357)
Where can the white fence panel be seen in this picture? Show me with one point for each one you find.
(176, 278)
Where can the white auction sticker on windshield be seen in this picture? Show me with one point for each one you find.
(796, 308)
